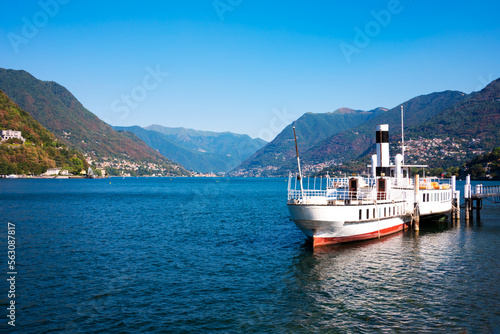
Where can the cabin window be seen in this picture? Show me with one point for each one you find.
(360, 214)
(385, 214)
(367, 213)
(373, 213)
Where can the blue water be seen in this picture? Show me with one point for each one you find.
(189, 255)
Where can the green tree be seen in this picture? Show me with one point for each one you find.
(450, 171)
(477, 170)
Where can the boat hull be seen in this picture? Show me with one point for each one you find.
(370, 234)
(327, 225)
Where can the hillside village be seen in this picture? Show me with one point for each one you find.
(417, 151)
(122, 167)
(422, 150)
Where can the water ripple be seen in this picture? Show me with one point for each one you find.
(221, 255)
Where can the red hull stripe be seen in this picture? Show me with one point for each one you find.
(318, 241)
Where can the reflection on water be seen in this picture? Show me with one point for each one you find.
(438, 278)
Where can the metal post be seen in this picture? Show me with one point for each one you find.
(416, 211)
(298, 165)
(453, 201)
(467, 195)
(402, 137)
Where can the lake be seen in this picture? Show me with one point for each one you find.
(189, 255)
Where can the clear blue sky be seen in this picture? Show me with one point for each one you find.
(249, 66)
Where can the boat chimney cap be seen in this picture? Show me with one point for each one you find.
(382, 127)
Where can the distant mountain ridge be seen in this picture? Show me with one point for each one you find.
(311, 129)
(201, 151)
(60, 112)
(352, 143)
(470, 121)
(236, 145)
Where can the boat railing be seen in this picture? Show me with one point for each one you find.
(434, 183)
(362, 196)
(336, 191)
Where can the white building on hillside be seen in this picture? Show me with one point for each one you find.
(8, 134)
(52, 172)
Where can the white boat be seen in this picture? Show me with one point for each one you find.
(337, 210)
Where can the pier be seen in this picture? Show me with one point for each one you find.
(474, 197)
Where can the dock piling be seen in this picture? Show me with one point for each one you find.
(467, 195)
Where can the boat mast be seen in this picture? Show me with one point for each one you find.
(298, 164)
(402, 137)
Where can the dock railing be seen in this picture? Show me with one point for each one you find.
(485, 191)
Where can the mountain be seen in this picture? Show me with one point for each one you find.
(460, 132)
(348, 143)
(60, 112)
(201, 151)
(236, 145)
(462, 127)
(40, 150)
(311, 129)
(352, 143)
